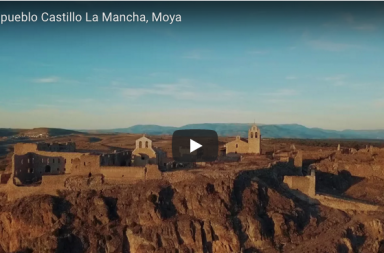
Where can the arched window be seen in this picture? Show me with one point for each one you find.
(146, 144)
(255, 135)
(139, 144)
(251, 135)
(237, 145)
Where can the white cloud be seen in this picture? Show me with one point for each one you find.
(258, 52)
(196, 55)
(365, 27)
(337, 80)
(350, 21)
(52, 79)
(182, 90)
(281, 93)
(330, 46)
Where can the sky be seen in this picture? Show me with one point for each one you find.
(316, 64)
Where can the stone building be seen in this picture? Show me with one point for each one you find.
(32, 161)
(243, 146)
(144, 153)
(117, 158)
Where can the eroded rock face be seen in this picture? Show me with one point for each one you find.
(200, 215)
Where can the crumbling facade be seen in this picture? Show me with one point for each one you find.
(32, 161)
(122, 158)
(56, 147)
(243, 146)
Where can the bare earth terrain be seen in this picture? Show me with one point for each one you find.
(224, 207)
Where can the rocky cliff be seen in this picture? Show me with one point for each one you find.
(200, 215)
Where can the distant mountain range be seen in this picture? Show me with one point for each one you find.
(223, 129)
(267, 131)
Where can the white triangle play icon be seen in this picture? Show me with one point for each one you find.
(193, 145)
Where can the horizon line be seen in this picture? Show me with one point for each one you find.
(259, 124)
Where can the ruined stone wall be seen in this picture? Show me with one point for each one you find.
(69, 157)
(116, 159)
(57, 147)
(363, 164)
(345, 204)
(53, 182)
(142, 160)
(85, 164)
(64, 161)
(23, 148)
(161, 158)
(298, 160)
(178, 176)
(305, 184)
(122, 174)
(153, 172)
(242, 147)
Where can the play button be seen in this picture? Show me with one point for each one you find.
(195, 145)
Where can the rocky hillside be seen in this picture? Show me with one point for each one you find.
(219, 214)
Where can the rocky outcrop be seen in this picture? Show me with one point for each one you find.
(201, 215)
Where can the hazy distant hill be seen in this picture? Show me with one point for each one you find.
(267, 131)
(147, 129)
(6, 132)
(49, 131)
(223, 129)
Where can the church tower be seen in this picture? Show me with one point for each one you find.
(254, 140)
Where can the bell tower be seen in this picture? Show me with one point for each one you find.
(254, 140)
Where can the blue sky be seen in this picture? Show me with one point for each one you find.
(324, 70)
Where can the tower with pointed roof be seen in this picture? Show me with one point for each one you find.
(254, 140)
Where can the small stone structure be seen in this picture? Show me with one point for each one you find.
(293, 157)
(305, 184)
(243, 146)
(282, 156)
